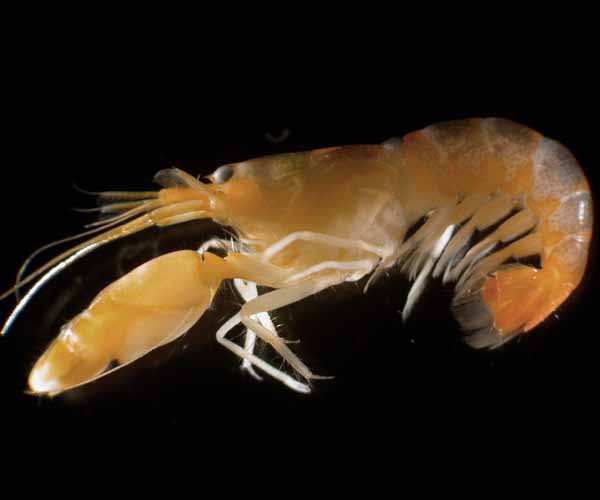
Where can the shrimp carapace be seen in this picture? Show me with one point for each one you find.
(467, 201)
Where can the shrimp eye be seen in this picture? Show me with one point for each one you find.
(222, 174)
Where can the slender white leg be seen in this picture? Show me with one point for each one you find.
(263, 304)
(283, 377)
(324, 239)
(254, 314)
(361, 267)
(274, 300)
(248, 291)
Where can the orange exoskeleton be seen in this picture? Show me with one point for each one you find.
(307, 221)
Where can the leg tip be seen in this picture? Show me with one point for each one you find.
(298, 386)
(247, 367)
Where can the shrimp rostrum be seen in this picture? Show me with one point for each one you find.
(478, 196)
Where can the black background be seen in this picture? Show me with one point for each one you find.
(392, 380)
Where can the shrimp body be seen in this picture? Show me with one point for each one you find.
(308, 221)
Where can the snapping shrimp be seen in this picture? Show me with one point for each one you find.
(308, 221)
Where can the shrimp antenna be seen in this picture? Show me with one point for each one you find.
(41, 282)
(153, 210)
(110, 208)
(118, 195)
(65, 259)
(145, 207)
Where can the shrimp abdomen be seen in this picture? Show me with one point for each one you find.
(536, 191)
